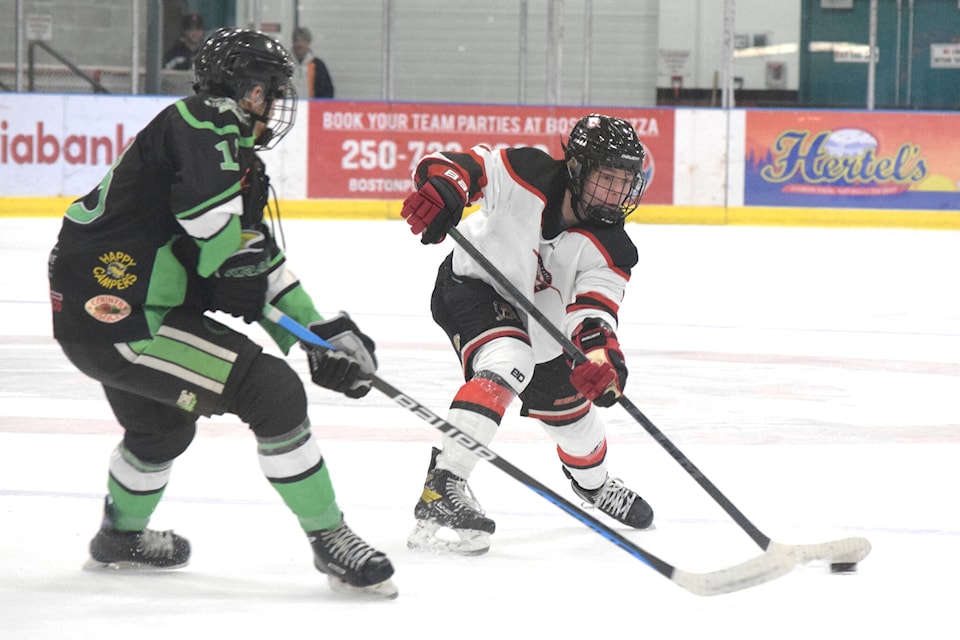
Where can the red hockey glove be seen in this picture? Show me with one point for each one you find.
(603, 377)
(436, 206)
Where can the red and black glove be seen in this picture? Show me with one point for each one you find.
(436, 206)
(602, 378)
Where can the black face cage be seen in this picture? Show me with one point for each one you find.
(280, 115)
(628, 195)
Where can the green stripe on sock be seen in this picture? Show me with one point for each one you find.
(131, 511)
(312, 500)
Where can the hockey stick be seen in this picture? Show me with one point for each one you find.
(768, 566)
(843, 555)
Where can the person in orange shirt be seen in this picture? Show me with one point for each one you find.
(310, 78)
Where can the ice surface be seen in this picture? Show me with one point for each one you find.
(813, 375)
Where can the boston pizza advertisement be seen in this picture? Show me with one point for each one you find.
(368, 150)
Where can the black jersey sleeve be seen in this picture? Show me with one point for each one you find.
(534, 168)
(617, 245)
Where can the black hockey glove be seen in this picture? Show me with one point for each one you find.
(603, 376)
(345, 368)
(436, 206)
(239, 286)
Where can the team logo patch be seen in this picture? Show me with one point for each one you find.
(544, 277)
(107, 309)
(56, 300)
(115, 270)
(504, 311)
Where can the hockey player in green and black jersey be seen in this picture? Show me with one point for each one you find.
(174, 230)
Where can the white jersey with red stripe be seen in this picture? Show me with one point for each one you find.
(570, 273)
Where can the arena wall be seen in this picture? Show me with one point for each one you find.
(706, 166)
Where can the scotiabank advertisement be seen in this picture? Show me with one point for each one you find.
(62, 145)
(852, 160)
(368, 150)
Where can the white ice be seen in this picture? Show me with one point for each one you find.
(813, 375)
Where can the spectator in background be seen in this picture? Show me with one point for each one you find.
(311, 78)
(179, 57)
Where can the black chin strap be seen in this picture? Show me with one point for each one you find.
(578, 211)
(264, 117)
(265, 136)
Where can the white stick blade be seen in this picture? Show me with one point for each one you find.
(847, 550)
(761, 569)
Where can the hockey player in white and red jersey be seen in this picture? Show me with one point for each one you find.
(555, 229)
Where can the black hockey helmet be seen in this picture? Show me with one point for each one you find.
(233, 61)
(603, 142)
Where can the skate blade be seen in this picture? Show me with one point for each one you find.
(469, 542)
(385, 589)
(127, 567)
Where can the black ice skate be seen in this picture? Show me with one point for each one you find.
(147, 549)
(350, 563)
(617, 501)
(447, 502)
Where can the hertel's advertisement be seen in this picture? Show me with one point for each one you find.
(369, 150)
(852, 160)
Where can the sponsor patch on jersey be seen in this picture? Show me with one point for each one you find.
(56, 300)
(107, 309)
(187, 400)
(115, 270)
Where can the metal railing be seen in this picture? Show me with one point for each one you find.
(31, 67)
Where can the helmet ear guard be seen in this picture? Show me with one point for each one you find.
(598, 142)
(231, 62)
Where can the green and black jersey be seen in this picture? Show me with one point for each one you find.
(168, 212)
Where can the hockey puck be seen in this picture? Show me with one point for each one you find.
(843, 567)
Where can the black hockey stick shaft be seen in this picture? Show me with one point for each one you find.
(574, 353)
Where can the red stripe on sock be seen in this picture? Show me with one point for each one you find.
(486, 393)
(592, 459)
